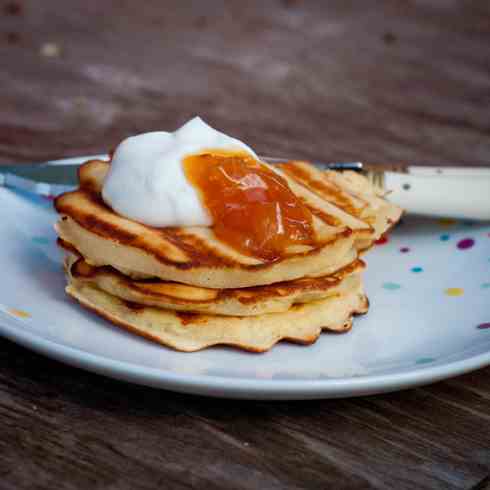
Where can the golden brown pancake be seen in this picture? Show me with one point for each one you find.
(190, 332)
(194, 256)
(186, 289)
(350, 191)
(258, 300)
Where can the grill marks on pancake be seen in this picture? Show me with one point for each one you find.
(326, 218)
(67, 246)
(318, 182)
(175, 291)
(197, 249)
(90, 212)
(82, 269)
(188, 318)
(324, 206)
(92, 223)
(135, 307)
(253, 294)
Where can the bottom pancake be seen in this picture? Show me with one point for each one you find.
(188, 332)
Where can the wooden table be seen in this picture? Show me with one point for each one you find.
(385, 81)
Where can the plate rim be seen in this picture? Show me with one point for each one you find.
(242, 388)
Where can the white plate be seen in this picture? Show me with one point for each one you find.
(429, 318)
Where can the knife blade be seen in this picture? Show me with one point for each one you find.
(446, 191)
(62, 172)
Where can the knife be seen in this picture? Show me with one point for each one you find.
(446, 191)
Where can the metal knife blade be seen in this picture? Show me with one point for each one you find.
(44, 178)
(48, 174)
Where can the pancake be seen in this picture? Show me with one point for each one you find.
(188, 332)
(251, 301)
(348, 190)
(194, 256)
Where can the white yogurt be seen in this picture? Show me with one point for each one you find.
(146, 181)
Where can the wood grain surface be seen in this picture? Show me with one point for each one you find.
(339, 80)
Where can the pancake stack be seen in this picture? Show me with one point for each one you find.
(184, 288)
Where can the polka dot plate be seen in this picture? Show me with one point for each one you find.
(428, 284)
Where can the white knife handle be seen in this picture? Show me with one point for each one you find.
(458, 195)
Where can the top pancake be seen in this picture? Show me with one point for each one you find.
(348, 217)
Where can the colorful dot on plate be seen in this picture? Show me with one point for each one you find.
(465, 243)
(485, 285)
(424, 360)
(447, 222)
(445, 237)
(417, 269)
(391, 286)
(382, 240)
(18, 313)
(404, 250)
(40, 240)
(483, 326)
(454, 291)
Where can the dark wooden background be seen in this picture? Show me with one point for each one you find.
(378, 80)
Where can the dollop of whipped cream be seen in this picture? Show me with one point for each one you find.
(147, 183)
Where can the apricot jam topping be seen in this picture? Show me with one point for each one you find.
(253, 209)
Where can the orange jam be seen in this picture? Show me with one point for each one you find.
(253, 209)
